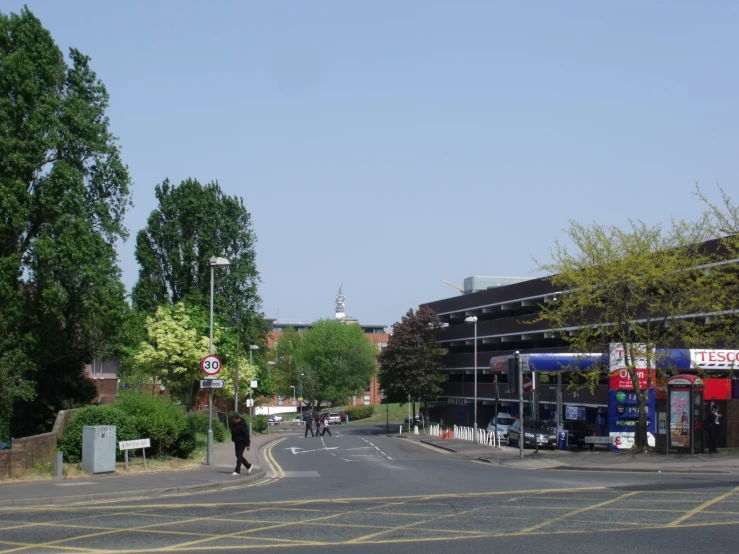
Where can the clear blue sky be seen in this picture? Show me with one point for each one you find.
(391, 145)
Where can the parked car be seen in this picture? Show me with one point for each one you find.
(577, 431)
(536, 432)
(297, 421)
(418, 420)
(334, 418)
(275, 419)
(502, 421)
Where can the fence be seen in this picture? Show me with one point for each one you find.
(487, 438)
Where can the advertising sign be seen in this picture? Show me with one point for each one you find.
(680, 418)
(620, 377)
(576, 413)
(705, 358)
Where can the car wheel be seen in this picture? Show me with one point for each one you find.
(509, 441)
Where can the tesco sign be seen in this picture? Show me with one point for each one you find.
(714, 358)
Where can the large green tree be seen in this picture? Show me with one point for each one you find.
(338, 361)
(644, 288)
(411, 363)
(192, 223)
(63, 194)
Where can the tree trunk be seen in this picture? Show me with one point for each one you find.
(641, 426)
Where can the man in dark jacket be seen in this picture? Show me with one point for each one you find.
(242, 440)
(308, 426)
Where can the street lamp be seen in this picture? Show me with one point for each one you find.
(473, 319)
(293, 388)
(252, 348)
(214, 262)
(301, 394)
(269, 374)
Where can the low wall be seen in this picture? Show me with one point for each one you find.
(29, 451)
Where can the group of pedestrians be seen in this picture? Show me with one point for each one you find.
(315, 420)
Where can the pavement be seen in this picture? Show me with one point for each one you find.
(146, 484)
(368, 491)
(585, 460)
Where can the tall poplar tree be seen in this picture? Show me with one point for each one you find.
(63, 193)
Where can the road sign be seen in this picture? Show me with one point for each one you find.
(253, 384)
(134, 445)
(212, 383)
(211, 364)
(527, 384)
(599, 440)
(300, 398)
(249, 403)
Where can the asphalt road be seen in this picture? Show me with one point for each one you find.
(372, 493)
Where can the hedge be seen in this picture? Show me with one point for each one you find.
(359, 412)
(159, 420)
(71, 440)
(199, 422)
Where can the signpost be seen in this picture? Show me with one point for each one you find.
(125, 446)
(210, 365)
(252, 386)
(212, 383)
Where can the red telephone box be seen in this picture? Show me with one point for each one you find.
(685, 413)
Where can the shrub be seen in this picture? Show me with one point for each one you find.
(260, 424)
(359, 412)
(160, 421)
(199, 423)
(199, 420)
(219, 431)
(71, 440)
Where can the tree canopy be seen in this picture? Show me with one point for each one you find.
(411, 363)
(64, 191)
(192, 223)
(635, 287)
(337, 361)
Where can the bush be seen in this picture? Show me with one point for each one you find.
(199, 423)
(219, 431)
(71, 440)
(199, 420)
(359, 412)
(260, 424)
(160, 421)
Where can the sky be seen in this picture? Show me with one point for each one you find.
(391, 145)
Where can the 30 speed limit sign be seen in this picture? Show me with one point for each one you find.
(211, 364)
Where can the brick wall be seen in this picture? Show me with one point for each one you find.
(29, 451)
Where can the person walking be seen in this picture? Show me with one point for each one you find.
(713, 425)
(326, 427)
(309, 426)
(318, 425)
(242, 441)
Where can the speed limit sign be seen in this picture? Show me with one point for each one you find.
(211, 364)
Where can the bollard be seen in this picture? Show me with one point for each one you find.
(58, 471)
(415, 429)
(400, 432)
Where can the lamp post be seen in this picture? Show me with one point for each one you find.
(214, 262)
(293, 388)
(301, 395)
(269, 374)
(252, 348)
(473, 319)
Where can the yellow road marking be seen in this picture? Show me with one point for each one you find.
(575, 512)
(700, 508)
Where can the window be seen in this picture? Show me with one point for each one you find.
(280, 400)
(367, 399)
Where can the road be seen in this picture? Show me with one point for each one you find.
(375, 493)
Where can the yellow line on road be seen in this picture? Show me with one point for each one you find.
(700, 508)
(575, 512)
